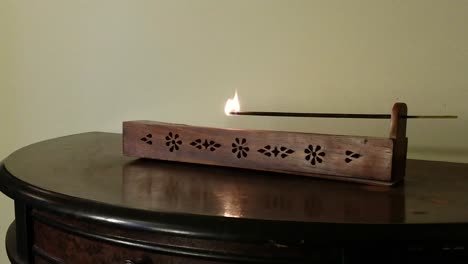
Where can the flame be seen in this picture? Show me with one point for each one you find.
(232, 105)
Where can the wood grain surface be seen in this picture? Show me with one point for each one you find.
(316, 155)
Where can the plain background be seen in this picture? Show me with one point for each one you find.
(74, 66)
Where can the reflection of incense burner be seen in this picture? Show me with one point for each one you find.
(351, 158)
(194, 189)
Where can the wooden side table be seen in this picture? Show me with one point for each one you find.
(78, 200)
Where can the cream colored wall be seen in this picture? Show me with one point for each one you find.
(76, 66)
(8, 141)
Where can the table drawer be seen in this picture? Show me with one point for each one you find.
(52, 245)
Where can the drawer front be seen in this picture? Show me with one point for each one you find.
(59, 237)
(40, 260)
(52, 245)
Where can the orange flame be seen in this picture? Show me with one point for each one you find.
(232, 105)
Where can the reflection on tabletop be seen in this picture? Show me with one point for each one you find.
(198, 189)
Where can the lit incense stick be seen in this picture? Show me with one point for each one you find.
(333, 115)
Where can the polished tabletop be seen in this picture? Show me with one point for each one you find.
(90, 167)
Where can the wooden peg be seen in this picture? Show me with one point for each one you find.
(398, 134)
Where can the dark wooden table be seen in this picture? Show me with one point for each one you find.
(78, 200)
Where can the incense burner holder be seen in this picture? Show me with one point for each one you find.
(370, 160)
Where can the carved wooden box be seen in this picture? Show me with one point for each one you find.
(351, 158)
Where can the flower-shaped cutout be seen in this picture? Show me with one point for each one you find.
(239, 148)
(173, 141)
(314, 155)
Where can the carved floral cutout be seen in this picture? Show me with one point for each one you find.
(240, 148)
(314, 155)
(147, 139)
(173, 141)
(211, 145)
(351, 156)
(269, 151)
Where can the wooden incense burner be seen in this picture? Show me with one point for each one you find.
(370, 160)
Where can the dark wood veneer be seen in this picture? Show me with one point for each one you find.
(76, 249)
(170, 244)
(78, 199)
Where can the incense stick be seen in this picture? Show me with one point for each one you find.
(333, 115)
